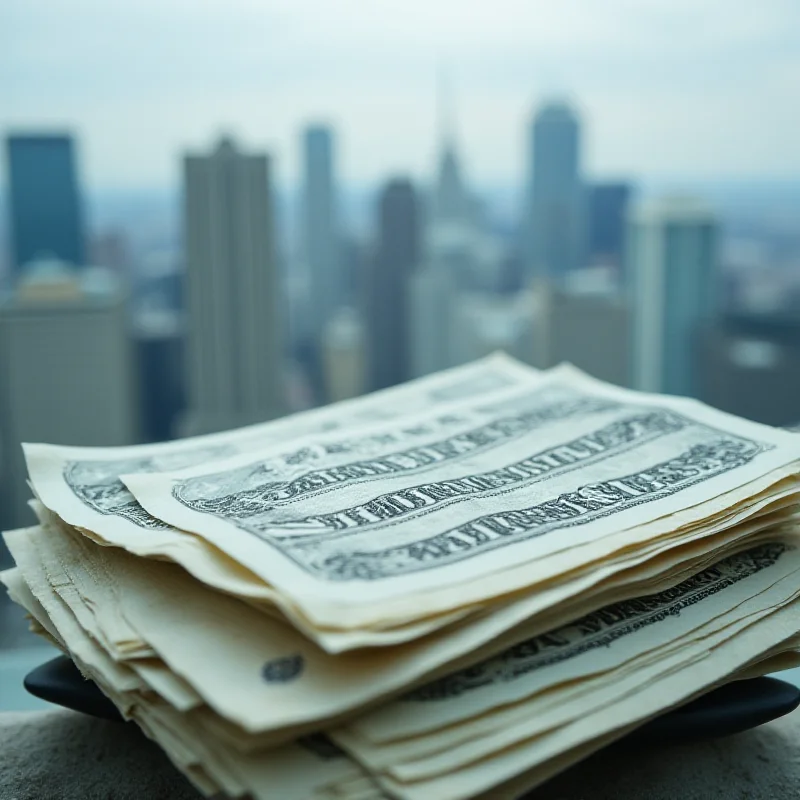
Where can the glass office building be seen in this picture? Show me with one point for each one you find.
(45, 209)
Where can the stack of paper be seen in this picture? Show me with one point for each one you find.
(467, 583)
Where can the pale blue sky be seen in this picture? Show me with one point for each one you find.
(704, 88)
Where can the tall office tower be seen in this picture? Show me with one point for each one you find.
(45, 203)
(320, 243)
(387, 290)
(555, 222)
(608, 209)
(672, 258)
(234, 355)
(66, 370)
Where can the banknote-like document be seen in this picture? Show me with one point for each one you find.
(451, 589)
(360, 538)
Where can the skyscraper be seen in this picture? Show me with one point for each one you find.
(458, 259)
(554, 228)
(45, 203)
(233, 320)
(66, 370)
(672, 257)
(388, 279)
(319, 231)
(608, 208)
(452, 211)
(451, 202)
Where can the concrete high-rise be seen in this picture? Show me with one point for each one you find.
(388, 284)
(555, 220)
(44, 198)
(67, 374)
(671, 261)
(320, 244)
(234, 354)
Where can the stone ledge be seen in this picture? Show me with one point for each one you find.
(61, 755)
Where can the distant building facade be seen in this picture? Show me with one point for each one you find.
(483, 323)
(607, 213)
(67, 374)
(233, 297)
(749, 365)
(344, 356)
(160, 346)
(46, 215)
(395, 259)
(460, 268)
(672, 264)
(111, 249)
(588, 329)
(432, 300)
(555, 216)
(451, 203)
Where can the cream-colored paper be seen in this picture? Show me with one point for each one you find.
(431, 538)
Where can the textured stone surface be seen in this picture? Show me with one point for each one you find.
(762, 764)
(62, 755)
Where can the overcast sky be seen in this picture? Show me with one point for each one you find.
(705, 88)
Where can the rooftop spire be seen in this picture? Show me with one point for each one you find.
(446, 110)
(451, 198)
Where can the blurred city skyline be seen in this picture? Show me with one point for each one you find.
(668, 90)
(217, 213)
(405, 188)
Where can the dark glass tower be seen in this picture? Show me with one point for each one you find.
(387, 289)
(46, 213)
(608, 206)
